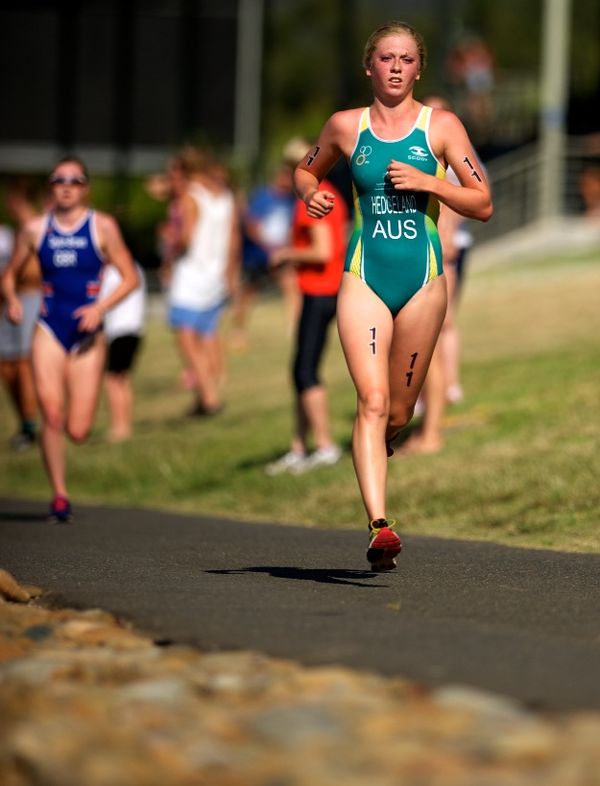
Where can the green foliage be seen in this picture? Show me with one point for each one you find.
(301, 70)
(520, 463)
(512, 28)
(313, 63)
(584, 47)
(137, 212)
(313, 53)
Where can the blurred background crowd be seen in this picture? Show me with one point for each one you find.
(156, 94)
(124, 84)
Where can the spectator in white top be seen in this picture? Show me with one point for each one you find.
(203, 269)
(124, 327)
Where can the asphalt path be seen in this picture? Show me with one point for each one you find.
(518, 622)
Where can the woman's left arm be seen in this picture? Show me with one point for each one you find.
(317, 252)
(472, 198)
(117, 253)
(450, 142)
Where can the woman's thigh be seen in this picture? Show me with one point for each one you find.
(49, 361)
(416, 330)
(84, 377)
(365, 326)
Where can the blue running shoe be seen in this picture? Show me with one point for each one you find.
(60, 511)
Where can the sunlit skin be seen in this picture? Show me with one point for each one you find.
(393, 70)
(71, 195)
(385, 404)
(395, 66)
(68, 383)
(69, 204)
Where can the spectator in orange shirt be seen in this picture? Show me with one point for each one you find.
(317, 251)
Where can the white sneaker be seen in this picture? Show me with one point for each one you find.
(454, 394)
(289, 462)
(419, 408)
(323, 457)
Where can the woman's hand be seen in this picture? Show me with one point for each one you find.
(319, 203)
(90, 317)
(278, 258)
(405, 177)
(14, 310)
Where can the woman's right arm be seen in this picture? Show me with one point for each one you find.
(334, 141)
(22, 250)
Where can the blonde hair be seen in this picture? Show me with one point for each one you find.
(193, 160)
(72, 160)
(436, 101)
(394, 28)
(294, 150)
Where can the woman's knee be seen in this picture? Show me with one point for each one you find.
(400, 416)
(53, 416)
(78, 433)
(374, 404)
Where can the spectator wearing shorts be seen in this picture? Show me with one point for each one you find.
(205, 265)
(15, 339)
(123, 327)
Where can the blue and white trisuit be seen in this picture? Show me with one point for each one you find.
(71, 263)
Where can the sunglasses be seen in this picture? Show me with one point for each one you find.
(68, 181)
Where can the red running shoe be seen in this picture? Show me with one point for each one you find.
(60, 511)
(384, 545)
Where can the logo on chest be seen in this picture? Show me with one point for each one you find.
(363, 155)
(65, 249)
(64, 257)
(418, 153)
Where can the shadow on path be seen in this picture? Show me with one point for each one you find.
(322, 575)
(11, 515)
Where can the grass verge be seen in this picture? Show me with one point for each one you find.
(520, 465)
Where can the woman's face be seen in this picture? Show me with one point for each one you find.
(395, 65)
(69, 185)
(177, 180)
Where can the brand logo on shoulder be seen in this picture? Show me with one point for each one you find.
(418, 153)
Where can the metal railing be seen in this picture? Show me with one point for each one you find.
(516, 186)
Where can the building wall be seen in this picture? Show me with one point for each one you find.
(115, 74)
